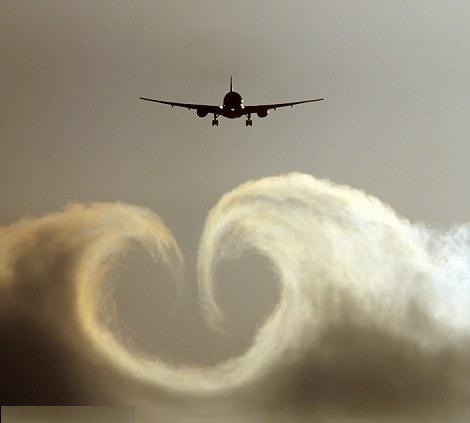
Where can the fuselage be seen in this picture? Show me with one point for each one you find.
(232, 106)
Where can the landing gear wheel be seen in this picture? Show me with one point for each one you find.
(249, 122)
(215, 122)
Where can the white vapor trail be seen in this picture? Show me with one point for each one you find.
(373, 313)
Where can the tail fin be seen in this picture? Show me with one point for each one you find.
(231, 83)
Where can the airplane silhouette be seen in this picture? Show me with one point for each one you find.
(232, 107)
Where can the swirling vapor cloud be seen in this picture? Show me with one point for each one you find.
(373, 317)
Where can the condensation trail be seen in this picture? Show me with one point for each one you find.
(346, 263)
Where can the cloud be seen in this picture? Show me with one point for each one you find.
(372, 319)
(68, 414)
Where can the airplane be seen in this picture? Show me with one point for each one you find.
(232, 107)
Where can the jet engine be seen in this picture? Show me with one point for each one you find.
(201, 112)
(262, 113)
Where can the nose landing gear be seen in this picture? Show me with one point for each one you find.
(248, 122)
(215, 122)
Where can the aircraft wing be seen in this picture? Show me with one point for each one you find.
(263, 107)
(203, 107)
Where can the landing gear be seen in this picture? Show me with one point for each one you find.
(248, 122)
(215, 122)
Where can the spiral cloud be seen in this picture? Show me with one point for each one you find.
(372, 320)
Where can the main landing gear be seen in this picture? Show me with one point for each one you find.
(215, 122)
(248, 122)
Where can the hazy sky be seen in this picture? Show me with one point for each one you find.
(395, 123)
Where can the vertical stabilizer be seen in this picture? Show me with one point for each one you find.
(231, 83)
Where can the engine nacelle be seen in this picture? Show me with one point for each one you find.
(201, 112)
(262, 113)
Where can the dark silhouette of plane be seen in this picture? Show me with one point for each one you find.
(232, 107)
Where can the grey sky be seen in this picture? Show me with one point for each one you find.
(395, 123)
